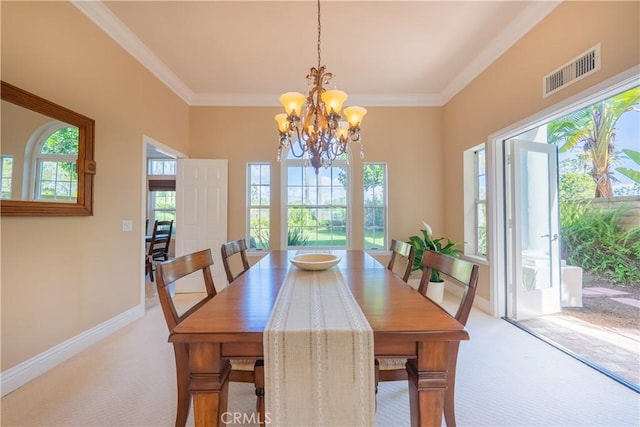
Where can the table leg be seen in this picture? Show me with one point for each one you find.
(428, 384)
(209, 384)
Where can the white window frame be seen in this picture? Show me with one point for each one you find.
(284, 164)
(385, 207)
(151, 201)
(165, 165)
(260, 206)
(472, 201)
(9, 179)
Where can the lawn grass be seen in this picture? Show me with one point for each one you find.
(326, 237)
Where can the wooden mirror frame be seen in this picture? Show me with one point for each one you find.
(85, 164)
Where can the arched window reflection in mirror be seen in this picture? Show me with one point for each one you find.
(52, 153)
(47, 163)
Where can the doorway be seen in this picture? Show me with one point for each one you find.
(154, 150)
(526, 271)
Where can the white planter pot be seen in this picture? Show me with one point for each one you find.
(435, 291)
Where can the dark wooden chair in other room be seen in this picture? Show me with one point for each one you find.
(463, 273)
(158, 245)
(241, 370)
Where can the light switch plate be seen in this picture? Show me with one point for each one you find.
(127, 225)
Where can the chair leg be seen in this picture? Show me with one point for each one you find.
(182, 375)
(259, 383)
(148, 268)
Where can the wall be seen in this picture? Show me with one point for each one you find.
(510, 89)
(409, 140)
(630, 206)
(62, 276)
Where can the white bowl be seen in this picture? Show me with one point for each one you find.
(315, 261)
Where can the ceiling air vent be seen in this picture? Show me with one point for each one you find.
(571, 72)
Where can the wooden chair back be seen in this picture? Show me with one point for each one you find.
(400, 249)
(230, 249)
(462, 272)
(169, 272)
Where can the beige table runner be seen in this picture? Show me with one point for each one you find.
(318, 349)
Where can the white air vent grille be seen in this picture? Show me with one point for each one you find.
(571, 72)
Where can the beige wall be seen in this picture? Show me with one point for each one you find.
(510, 90)
(64, 275)
(409, 140)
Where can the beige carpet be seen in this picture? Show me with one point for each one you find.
(505, 378)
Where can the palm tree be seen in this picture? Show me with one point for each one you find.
(594, 128)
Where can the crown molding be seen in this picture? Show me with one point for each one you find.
(97, 12)
(513, 32)
(271, 100)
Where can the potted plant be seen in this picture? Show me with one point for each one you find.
(444, 245)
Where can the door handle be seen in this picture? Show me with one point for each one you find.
(553, 239)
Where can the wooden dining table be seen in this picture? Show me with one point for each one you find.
(405, 324)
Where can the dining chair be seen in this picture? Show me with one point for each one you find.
(463, 273)
(401, 250)
(248, 371)
(228, 250)
(158, 246)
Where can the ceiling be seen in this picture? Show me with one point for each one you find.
(382, 53)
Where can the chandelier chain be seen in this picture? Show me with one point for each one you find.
(319, 34)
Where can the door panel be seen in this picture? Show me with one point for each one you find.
(535, 261)
(201, 216)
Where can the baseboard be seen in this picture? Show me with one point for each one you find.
(17, 376)
(478, 302)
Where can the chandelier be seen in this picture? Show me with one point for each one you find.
(313, 128)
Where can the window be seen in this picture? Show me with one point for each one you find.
(6, 173)
(56, 177)
(480, 216)
(162, 190)
(375, 205)
(259, 204)
(316, 204)
(162, 167)
(475, 202)
(164, 205)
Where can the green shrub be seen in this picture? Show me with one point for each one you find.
(595, 241)
(296, 237)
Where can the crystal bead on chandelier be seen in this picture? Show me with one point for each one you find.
(312, 127)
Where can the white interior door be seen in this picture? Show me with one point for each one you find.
(534, 283)
(201, 216)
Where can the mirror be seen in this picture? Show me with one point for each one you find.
(47, 163)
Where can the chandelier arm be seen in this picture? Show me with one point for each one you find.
(295, 144)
